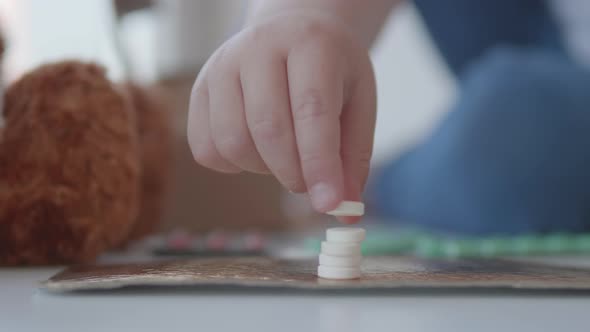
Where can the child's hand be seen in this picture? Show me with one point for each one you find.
(293, 96)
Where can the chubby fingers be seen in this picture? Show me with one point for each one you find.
(316, 91)
(199, 133)
(268, 114)
(227, 118)
(306, 114)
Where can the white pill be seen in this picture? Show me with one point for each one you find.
(329, 272)
(341, 248)
(348, 209)
(345, 234)
(340, 261)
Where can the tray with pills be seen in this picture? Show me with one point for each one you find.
(266, 273)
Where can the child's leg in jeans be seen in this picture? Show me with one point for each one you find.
(464, 30)
(513, 156)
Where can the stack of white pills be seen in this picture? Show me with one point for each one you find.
(340, 256)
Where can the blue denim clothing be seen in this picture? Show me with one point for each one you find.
(513, 155)
(465, 30)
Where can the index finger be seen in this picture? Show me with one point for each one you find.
(316, 90)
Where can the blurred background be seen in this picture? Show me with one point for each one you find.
(165, 42)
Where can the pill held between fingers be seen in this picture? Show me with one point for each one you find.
(329, 272)
(340, 261)
(340, 248)
(345, 234)
(348, 209)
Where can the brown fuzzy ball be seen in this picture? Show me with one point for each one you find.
(69, 166)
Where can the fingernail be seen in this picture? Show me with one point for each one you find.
(323, 197)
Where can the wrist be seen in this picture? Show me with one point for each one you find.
(306, 16)
(262, 14)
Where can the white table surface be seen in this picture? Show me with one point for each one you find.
(23, 307)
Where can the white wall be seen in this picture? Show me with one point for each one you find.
(414, 87)
(39, 31)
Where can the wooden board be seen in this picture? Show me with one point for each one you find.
(378, 273)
